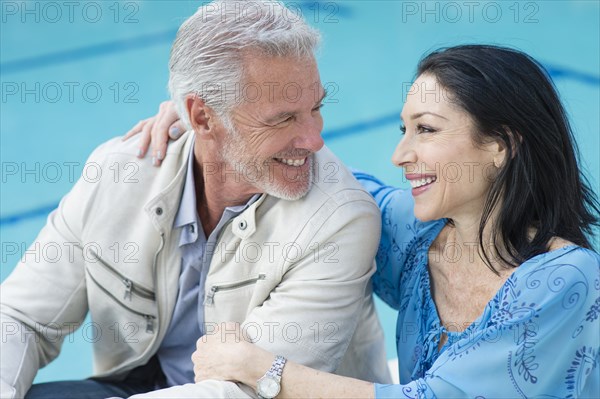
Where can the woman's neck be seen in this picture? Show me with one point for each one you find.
(461, 241)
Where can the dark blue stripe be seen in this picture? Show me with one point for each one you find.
(66, 56)
(328, 12)
(362, 126)
(566, 73)
(167, 37)
(30, 214)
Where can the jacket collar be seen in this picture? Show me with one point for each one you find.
(162, 208)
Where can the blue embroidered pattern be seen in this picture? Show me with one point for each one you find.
(584, 362)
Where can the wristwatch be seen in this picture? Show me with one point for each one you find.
(269, 385)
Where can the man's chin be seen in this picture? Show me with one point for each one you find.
(291, 187)
(289, 193)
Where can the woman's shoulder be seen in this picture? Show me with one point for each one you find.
(564, 262)
(569, 274)
(556, 291)
(565, 253)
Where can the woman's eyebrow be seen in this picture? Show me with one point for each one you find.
(420, 114)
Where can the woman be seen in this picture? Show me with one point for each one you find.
(486, 258)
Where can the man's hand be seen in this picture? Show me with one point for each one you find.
(157, 130)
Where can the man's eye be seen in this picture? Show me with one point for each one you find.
(286, 120)
(318, 107)
(403, 129)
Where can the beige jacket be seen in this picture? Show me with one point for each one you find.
(296, 273)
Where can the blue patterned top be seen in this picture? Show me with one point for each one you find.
(538, 337)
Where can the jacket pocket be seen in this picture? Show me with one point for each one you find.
(108, 286)
(122, 329)
(147, 317)
(129, 287)
(209, 299)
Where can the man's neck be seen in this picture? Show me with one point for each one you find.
(216, 191)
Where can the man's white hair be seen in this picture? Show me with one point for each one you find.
(207, 55)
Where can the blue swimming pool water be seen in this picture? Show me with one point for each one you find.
(74, 74)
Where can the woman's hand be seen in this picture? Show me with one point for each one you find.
(157, 130)
(222, 354)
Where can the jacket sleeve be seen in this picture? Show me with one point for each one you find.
(311, 316)
(44, 298)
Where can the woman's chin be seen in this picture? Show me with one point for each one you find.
(425, 215)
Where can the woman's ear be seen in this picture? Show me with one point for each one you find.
(499, 154)
(199, 114)
(501, 147)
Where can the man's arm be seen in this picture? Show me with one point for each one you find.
(44, 298)
(42, 302)
(312, 315)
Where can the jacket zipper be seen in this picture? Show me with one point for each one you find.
(155, 272)
(149, 318)
(130, 286)
(210, 297)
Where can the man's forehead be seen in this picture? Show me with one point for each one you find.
(275, 82)
(274, 107)
(279, 70)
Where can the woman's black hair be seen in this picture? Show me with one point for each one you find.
(513, 101)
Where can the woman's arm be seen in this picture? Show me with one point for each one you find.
(227, 356)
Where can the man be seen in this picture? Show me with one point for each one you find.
(250, 219)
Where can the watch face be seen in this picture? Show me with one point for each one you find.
(268, 387)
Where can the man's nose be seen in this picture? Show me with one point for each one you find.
(310, 136)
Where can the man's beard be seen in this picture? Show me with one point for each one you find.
(261, 174)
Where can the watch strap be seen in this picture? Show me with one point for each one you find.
(277, 366)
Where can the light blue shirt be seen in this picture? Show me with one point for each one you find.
(187, 324)
(539, 336)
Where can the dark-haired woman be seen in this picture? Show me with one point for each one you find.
(486, 258)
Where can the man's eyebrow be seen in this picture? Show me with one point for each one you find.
(325, 93)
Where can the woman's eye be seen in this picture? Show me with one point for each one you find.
(419, 129)
(425, 129)
(318, 107)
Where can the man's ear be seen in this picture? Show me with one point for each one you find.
(200, 115)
